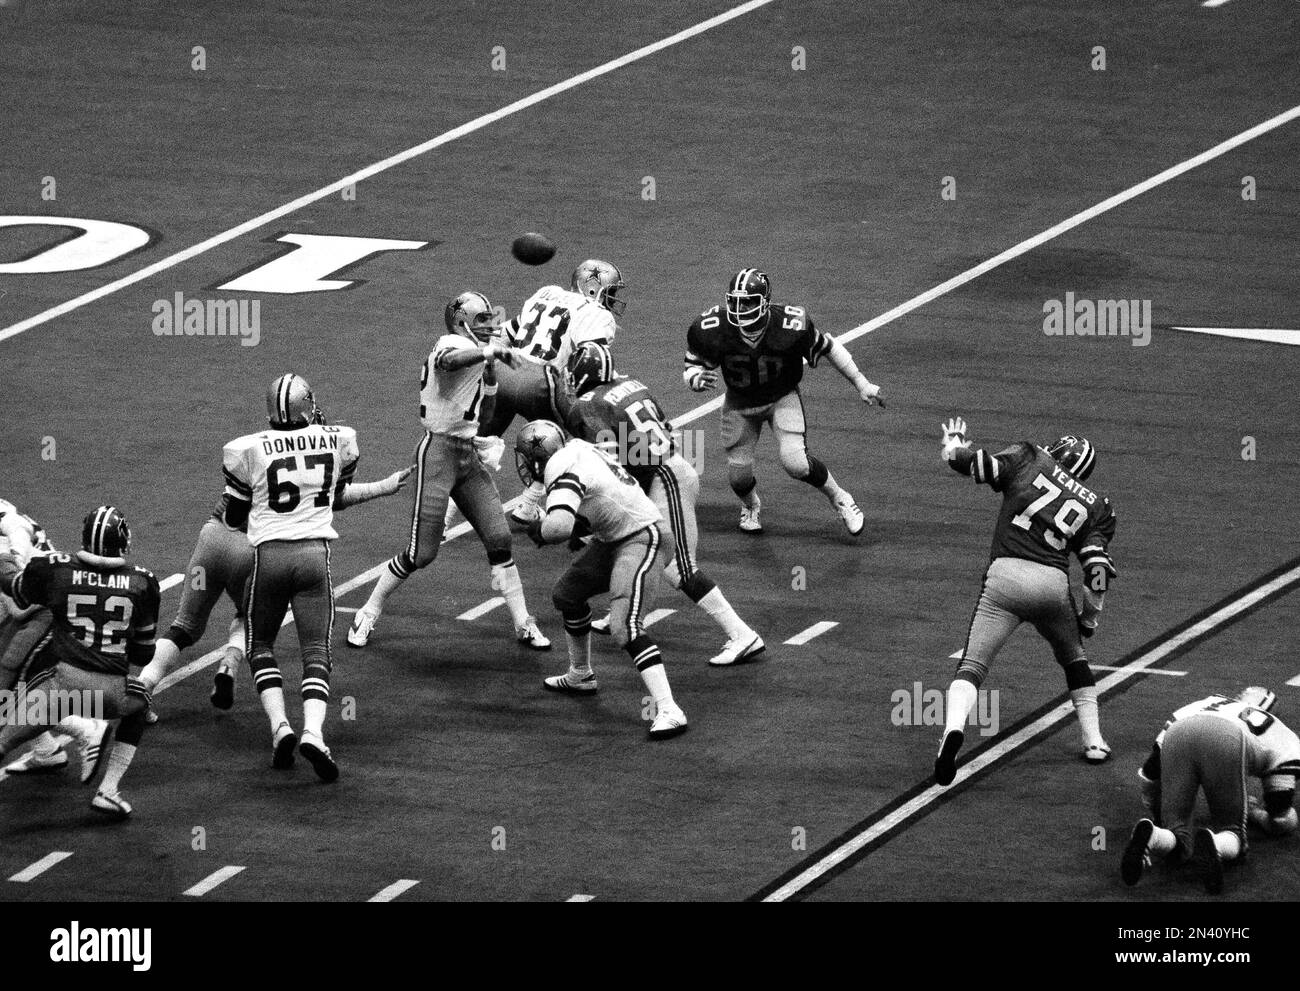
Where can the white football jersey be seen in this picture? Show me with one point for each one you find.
(1272, 749)
(291, 477)
(594, 486)
(23, 537)
(554, 321)
(451, 399)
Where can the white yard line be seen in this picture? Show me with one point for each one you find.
(814, 631)
(1022, 737)
(582, 898)
(482, 609)
(211, 881)
(41, 866)
(171, 581)
(393, 890)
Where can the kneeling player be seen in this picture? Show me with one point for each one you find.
(1047, 514)
(1215, 745)
(624, 557)
(104, 616)
(761, 350)
(621, 417)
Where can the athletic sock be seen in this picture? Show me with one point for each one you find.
(165, 654)
(506, 580)
(387, 583)
(313, 716)
(962, 695)
(118, 760)
(1228, 844)
(1162, 842)
(656, 683)
(717, 606)
(231, 660)
(273, 705)
(579, 652)
(1085, 707)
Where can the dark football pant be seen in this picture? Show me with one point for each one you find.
(628, 570)
(1204, 752)
(57, 689)
(221, 562)
(449, 468)
(527, 390)
(1018, 591)
(291, 573)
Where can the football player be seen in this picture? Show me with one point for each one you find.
(1047, 515)
(457, 389)
(222, 562)
(21, 634)
(551, 324)
(104, 613)
(285, 484)
(1215, 745)
(589, 492)
(620, 416)
(761, 349)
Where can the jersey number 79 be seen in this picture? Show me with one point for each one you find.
(1059, 527)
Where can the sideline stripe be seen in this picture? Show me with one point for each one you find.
(41, 866)
(859, 840)
(371, 171)
(211, 881)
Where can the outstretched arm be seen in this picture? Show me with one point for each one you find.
(355, 492)
(839, 356)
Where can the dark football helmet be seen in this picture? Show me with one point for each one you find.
(1075, 454)
(535, 445)
(589, 366)
(104, 532)
(290, 403)
(748, 297)
(600, 281)
(471, 315)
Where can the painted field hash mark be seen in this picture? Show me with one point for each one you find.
(211, 881)
(33, 871)
(814, 631)
(390, 892)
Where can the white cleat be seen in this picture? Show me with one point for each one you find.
(571, 683)
(749, 517)
(93, 746)
(34, 763)
(850, 514)
(601, 625)
(669, 721)
(531, 636)
(111, 804)
(740, 649)
(363, 624)
(1096, 754)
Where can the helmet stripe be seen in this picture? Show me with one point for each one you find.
(97, 531)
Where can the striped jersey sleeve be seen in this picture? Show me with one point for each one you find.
(235, 470)
(994, 470)
(818, 345)
(565, 488)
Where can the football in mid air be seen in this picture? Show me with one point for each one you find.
(533, 249)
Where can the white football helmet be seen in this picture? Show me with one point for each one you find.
(600, 281)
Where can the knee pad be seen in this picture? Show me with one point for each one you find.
(180, 637)
(1079, 675)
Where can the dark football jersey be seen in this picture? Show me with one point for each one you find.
(623, 419)
(219, 513)
(761, 372)
(1047, 513)
(102, 616)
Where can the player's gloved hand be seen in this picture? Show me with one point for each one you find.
(872, 393)
(497, 351)
(954, 437)
(490, 451)
(702, 380)
(395, 482)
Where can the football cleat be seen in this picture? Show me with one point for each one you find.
(34, 763)
(739, 649)
(92, 747)
(223, 689)
(531, 636)
(749, 295)
(1136, 859)
(600, 281)
(363, 624)
(282, 743)
(290, 403)
(601, 625)
(471, 315)
(669, 721)
(945, 765)
(749, 521)
(1205, 855)
(1096, 753)
(104, 533)
(111, 804)
(571, 683)
(849, 512)
(318, 755)
(535, 444)
(1075, 454)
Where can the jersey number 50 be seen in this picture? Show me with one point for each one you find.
(1065, 523)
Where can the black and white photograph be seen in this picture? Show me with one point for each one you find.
(472, 451)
